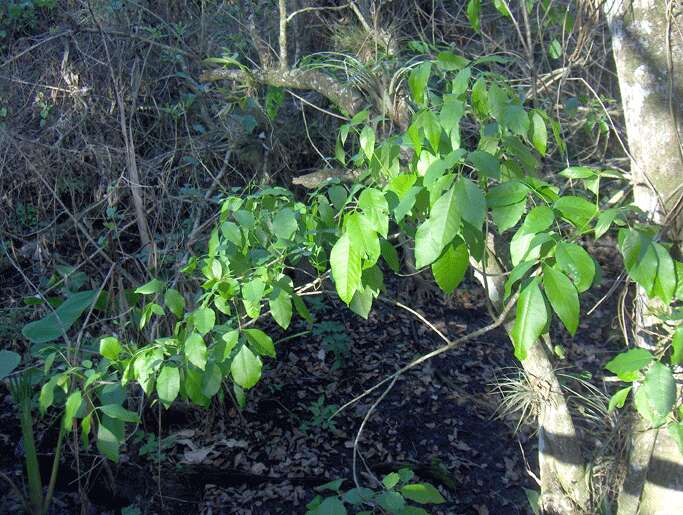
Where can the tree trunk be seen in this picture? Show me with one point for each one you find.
(564, 484)
(649, 60)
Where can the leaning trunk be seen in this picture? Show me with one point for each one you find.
(648, 52)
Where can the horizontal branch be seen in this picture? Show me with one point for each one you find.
(341, 95)
(314, 179)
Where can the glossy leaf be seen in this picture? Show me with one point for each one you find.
(246, 368)
(627, 364)
(531, 319)
(345, 261)
(563, 297)
(438, 231)
(260, 342)
(422, 493)
(449, 270)
(195, 350)
(168, 385)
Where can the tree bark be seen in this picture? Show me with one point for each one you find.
(649, 60)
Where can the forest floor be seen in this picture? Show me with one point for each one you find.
(439, 419)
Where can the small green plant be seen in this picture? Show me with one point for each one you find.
(321, 416)
(151, 447)
(392, 496)
(335, 339)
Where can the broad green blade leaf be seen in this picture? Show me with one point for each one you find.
(417, 81)
(118, 412)
(280, 304)
(449, 270)
(577, 210)
(361, 303)
(212, 379)
(472, 202)
(285, 224)
(451, 62)
(8, 362)
(665, 281)
(539, 133)
(473, 10)
(331, 506)
(192, 386)
(174, 302)
(516, 119)
(73, 404)
(168, 385)
(485, 163)
(367, 141)
(260, 342)
(640, 258)
(531, 319)
(195, 350)
(563, 297)
(539, 219)
(618, 399)
(56, 323)
(110, 348)
(204, 319)
(390, 255)
(252, 293)
(109, 437)
(391, 480)
(574, 261)
(363, 236)
(376, 209)
(676, 432)
(232, 233)
(578, 172)
(439, 230)
(656, 396)
(246, 368)
(153, 286)
(422, 493)
(627, 364)
(346, 270)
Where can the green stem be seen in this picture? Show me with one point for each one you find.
(55, 469)
(35, 487)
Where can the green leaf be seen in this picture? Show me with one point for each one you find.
(153, 286)
(539, 133)
(656, 396)
(531, 319)
(280, 304)
(109, 437)
(627, 364)
(118, 412)
(485, 163)
(433, 235)
(555, 49)
(110, 348)
(168, 385)
(195, 350)
(516, 119)
(260, 342)
(346, 270)
(361, 303)
(451, 62)
(676, 347)
(449, 270)
(47, 395)
(479, 98)
(417, 81)
(472, 201)
(357, 496)
(640, 259)
(211, 380)
(665, 281)
(252, 293)
(618, 399)
(301, 309)
(376, 209)
(363, 237)
(232, 233)
(574, 261)
(175, 302)
(246, 368)
(563, 297)
(8, 362)
(473, 10)
(390, 255)
(461, 82)
(392, 502)
(204, 319)
(676, 432)
(422, 493)
(56, 323)
(73, 404)
(577, 210)
(391, 480)
(578, 172)
(367, 141)
(331, 506)
(604, 222)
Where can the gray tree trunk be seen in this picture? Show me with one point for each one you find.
(648, 51)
